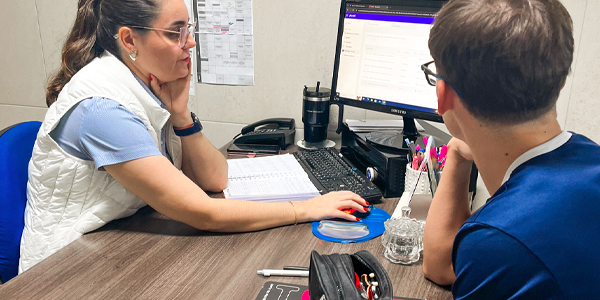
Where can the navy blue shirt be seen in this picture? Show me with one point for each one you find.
(538, 236)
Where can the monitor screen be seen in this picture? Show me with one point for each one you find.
(380, 49)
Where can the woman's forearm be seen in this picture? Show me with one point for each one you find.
(156, 181)
(203, 163)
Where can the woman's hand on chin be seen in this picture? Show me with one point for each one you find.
(174, 95)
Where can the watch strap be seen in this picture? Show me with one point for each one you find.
(190, 129)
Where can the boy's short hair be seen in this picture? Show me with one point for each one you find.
(508, 58)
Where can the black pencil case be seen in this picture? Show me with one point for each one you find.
(334, 277)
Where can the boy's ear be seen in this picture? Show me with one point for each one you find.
(446, 96)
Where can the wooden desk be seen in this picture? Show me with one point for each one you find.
(148, 256)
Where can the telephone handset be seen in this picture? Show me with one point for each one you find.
(275, 131)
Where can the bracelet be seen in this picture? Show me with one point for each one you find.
(295, 214)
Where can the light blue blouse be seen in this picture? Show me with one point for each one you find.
(102, 130)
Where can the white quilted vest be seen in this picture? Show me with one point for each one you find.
(68, 196)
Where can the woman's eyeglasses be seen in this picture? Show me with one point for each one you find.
(181, 35)
(432, 77)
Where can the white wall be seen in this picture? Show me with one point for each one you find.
(294, 46)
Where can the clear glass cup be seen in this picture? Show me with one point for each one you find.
(403, 234)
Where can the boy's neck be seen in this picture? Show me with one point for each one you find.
(495, 148)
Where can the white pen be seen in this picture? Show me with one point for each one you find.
(294, 273)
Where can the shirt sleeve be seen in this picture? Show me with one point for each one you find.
(490, 264)
(102, 130)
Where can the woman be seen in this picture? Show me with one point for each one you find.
(118, 130)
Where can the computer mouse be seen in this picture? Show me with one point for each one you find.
(359, 214)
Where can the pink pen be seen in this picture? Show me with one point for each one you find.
(415, 162)
(433, 153)
(425, 141)
(434, 158)
(443, 152)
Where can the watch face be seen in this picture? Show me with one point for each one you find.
(196, 120)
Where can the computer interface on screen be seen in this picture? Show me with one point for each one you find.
(382, 50)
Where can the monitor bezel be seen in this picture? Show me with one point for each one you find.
(394, 110)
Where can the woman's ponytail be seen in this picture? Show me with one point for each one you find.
(96, 23)
(79, 49)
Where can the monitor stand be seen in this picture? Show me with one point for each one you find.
(394, 140)
(409, 129)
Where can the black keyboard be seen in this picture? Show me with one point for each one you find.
(330, 171)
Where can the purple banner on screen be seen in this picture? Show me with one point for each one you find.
(391, 18)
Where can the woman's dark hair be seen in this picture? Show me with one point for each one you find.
(508, 58)
(96, 24)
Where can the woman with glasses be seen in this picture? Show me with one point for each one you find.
(118, 135)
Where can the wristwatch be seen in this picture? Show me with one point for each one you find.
(196, 126)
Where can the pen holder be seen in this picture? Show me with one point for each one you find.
(410, 178)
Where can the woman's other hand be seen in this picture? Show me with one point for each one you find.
(330, 206)
(175, 96)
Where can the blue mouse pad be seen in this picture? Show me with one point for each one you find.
(374, 221)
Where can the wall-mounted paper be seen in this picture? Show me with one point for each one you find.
(225, 50)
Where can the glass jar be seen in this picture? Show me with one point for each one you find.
(402, 242)
(421, 225)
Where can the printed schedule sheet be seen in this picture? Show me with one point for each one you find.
(225, 40)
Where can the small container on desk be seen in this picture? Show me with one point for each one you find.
(402, 239)
(414, 175)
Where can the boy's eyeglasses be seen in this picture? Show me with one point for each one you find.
(432, 77)
(181, 35)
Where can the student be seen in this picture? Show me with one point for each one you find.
(118, 130)
(500, 67)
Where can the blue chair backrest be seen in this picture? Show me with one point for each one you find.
(16, 145)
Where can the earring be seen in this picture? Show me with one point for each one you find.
(133, 55)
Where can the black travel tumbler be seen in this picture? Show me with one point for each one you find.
(315, 113)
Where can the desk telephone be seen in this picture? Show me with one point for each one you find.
(275, 131)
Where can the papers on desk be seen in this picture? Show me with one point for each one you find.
(377, 125)
(269, 179)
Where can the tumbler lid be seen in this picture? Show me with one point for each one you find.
(316, 92)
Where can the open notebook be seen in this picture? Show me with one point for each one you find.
(269, 179)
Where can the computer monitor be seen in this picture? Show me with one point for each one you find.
(381, 46)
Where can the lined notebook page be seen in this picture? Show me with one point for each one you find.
(270, 178)
(282, 165)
